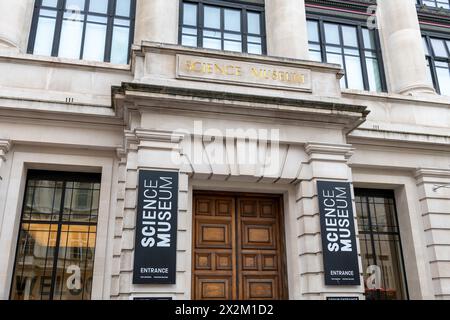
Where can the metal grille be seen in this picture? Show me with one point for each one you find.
(381, 251)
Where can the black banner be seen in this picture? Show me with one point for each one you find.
(340, 256)
(156, 228)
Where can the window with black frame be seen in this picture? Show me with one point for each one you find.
(355, 47)
(96, 30)
(56, 245)
(435, 3)
(222, 25)
(437, 52)
(380, 245)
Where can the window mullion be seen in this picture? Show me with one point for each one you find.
(58, 239)
(200, 24)
(112, 4)
(322, 40)
(344, 64)
(83, 35)
(222, 27)
(362, 58)
(58, 27)
(244, 30)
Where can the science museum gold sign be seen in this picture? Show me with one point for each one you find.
(244, 73)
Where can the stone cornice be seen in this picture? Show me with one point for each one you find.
(258, 108)
(434, 173)
(345, 150)
(159, 136)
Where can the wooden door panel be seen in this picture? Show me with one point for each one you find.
(237, 247)
(260, 288)
(214, 256)
(214, 288)
(213, 233)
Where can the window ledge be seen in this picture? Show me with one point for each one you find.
(8, 55)
(423, 98)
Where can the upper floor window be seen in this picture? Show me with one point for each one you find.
(437, 52)
(222, 25)
(435, 3)
(354, 47)
(97, 30)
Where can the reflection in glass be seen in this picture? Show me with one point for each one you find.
(46, 27)
(94, 41)
(55, 256)
(212, 17)
(71, 34)
(223, 28)
(380, 246)
(84, 30)
(359, 59)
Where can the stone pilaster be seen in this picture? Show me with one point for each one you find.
(151, 150)
(404, 55)
(286, 29)
(157, 21)
(326, 162)
(434, 194)
(15, 18)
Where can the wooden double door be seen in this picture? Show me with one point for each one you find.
(238, 247)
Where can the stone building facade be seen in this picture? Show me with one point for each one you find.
(205, 88)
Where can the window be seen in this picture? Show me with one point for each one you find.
(96, 30)
(437, 52)
(222, 25)
(354, 47)
(380, 244)
(56, 245)
(435, 3)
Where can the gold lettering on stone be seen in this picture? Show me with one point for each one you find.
(243, 72)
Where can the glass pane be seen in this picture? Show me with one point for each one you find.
(212, 17)
(232, 20)
(315, 52)
(332, 33)
(94, 42)
(50, 3)
(369, 39)
(120, 45)
(354, 72)
(123, 8)
(75, 5)
(313, 31)
(336, 58)
(443, 75)
(70, 43)
(254, 48)
(373, 73)
(99, 6)
(254, 22)
(212, 43)
(189, 14)
(190, 41)
(34, 262)
(390, 286)
(439, 47)
(232, 46)
(349, 36)
(315, 56)
(44, 36)
(75, 262)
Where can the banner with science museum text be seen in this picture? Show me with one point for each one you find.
(156, 228)
(340, 255)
